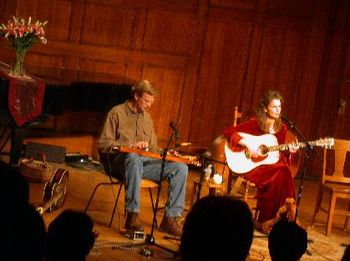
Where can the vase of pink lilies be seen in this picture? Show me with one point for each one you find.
(22, 35)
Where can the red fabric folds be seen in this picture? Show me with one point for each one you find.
(25, 95)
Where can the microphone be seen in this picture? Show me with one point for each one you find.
(289, 122)
(173, 126)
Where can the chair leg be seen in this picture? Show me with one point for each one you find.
(246, 191)
(93, 194)
(194, 193)
(236, 186)
(116, 203)
(318, 205)
(153, 205)
(256, 213)
(330, 214)
(229, 183)
(345, 228)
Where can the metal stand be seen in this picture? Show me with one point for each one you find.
(308, 150)
(150, 240)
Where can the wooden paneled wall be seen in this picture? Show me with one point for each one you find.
(205, 56)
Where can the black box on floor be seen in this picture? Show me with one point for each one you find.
(53, 153)
(76, 157)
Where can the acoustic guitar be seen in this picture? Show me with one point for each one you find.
(55, 191)
(240, 161)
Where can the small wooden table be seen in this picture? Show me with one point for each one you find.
(21, 100)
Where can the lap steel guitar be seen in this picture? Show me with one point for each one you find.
(187, 159)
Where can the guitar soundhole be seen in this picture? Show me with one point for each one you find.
(246, 153)
(263, 150)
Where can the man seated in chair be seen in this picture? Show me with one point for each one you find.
(129, 124)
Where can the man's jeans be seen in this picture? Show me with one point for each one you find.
(136, 168)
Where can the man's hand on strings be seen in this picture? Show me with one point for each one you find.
(143, 145)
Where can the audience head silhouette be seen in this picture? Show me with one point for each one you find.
(23, 231)
(14, 188)
(70, 236)
(23, 235)
(346, 255)
(287, 241)
(217, 228)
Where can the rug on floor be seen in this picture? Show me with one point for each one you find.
(320, 247)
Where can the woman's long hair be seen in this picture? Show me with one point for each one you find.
(261, 114)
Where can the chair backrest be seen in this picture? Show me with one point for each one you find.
(236, 116)
(216, 152)
(217, 148)
(336, 164)
(106, 159)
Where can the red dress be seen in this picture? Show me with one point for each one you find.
(274, 183)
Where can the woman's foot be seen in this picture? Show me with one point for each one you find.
(291, 208)
(265, 227)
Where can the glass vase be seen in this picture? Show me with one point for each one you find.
(18, 67)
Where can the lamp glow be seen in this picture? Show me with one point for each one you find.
(217, 178)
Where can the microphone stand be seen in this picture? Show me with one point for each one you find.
(308, 150)
(150, 240)
(203, 173)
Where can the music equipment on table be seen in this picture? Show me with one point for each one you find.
(55, 192)
(240, 162)
(187, 159)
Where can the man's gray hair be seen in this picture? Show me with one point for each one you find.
(143, 86)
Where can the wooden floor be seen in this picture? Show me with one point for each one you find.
(112, 243)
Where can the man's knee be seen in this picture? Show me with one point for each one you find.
(132, 157)
(183, 169)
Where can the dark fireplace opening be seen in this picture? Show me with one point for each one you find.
(78, 108)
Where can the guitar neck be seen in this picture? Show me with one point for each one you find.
(282, 147)
(286, 146)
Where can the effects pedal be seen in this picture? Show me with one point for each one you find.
(135, 234)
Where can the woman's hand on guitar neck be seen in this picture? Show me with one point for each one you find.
(293, 147)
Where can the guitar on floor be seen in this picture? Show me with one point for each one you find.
(55, 192)
(241, 162)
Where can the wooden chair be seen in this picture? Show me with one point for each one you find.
(335, 183)
(217, 156)
(241, 188)
(145, 184)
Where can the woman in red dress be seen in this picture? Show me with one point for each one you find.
(274, 182)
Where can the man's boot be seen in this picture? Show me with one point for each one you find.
(171, 226)
(133, 222)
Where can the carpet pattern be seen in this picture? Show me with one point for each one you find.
(320, 247)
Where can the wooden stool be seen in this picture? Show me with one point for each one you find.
(214, 189)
